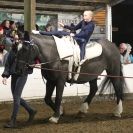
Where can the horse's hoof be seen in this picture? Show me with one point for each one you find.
(54, 120)
(80, 115)
(117, 115)
(10, 125)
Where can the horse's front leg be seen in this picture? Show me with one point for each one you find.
(50, 85)
(58, 108)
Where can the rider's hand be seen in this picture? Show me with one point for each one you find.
(71, 34)
(61, 24)
(4, 81)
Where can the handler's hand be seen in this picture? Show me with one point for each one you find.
(4, 81)
(61, 24)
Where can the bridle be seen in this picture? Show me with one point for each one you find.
(26, 63)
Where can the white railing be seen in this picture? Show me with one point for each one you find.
(35, 87)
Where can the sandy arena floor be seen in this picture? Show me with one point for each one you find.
(98, 120)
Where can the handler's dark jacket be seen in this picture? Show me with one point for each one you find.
(10, 66)
(87, 29)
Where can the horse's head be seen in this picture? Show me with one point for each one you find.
(26, 53)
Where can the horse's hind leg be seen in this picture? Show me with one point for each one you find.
(50, 85)
(93, 89)
(117, 83)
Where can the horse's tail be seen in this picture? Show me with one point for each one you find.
(43, 79)
(123, 82)
(107, 84)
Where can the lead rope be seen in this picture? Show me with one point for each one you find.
(48, 62)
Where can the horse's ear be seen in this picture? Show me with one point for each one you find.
(26, 36)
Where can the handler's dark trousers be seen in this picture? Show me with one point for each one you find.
(17, 85)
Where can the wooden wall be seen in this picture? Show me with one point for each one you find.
(100, 17)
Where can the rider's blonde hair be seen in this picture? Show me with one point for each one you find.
(89, 12)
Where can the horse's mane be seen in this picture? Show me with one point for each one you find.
(39, 36)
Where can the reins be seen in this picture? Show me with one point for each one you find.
(88, 74)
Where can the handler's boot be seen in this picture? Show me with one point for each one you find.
(31, 115)
(11, 124)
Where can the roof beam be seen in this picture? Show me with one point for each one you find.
(115, 2)
(91, 1)
(21, 11)
(64, 7)
(8, 4)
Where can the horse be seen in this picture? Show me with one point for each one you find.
(44, 48)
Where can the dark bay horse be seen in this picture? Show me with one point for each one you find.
(44, 48)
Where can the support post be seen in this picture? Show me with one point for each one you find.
(109, 22)
(29, 14)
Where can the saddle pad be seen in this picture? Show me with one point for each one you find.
(93, 49)
(66, 46)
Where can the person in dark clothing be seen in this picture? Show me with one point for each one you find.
(86, 26)
(17, 84)
(6, 28)
(48, 27)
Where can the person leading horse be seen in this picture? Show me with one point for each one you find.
(17, 84)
